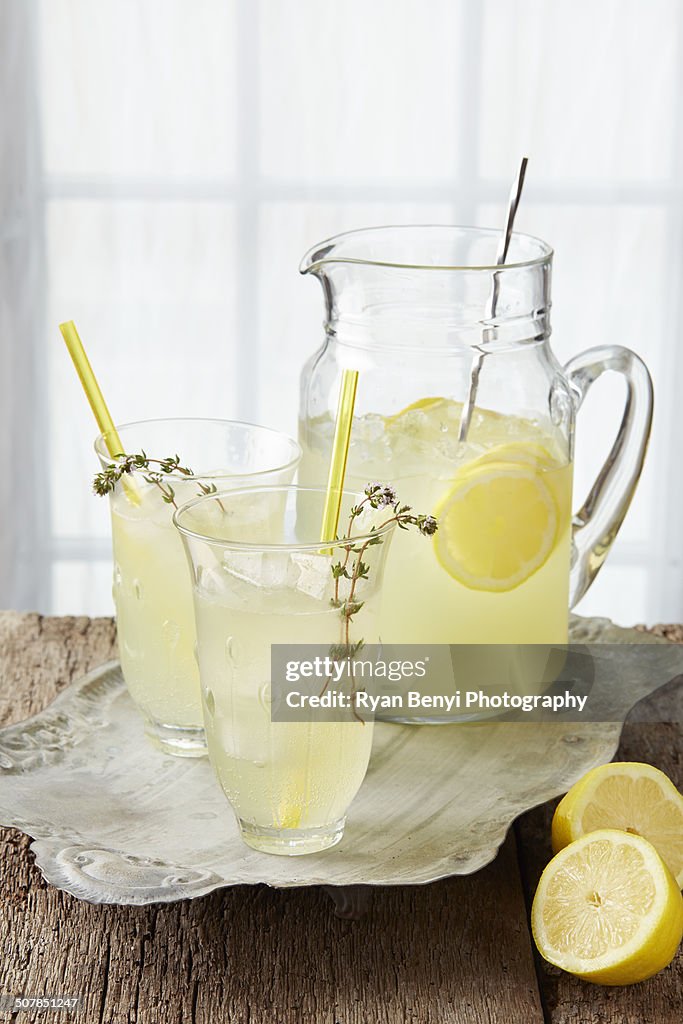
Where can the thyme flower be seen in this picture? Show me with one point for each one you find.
(427, 525)
(381, 495)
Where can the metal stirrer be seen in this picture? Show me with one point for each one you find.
(501, 255)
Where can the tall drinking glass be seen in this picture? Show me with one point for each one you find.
(155, 620)
(261, 576)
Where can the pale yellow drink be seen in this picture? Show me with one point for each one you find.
(152, 580)
(497, 570)
(154, 612)
(290, 777)
(153, 596)
(276, 775)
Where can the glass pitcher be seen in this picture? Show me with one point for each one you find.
(427, 318)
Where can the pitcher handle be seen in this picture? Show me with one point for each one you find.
(597, 522)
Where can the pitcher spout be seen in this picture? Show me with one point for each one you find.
(430, 286)
(314, 260)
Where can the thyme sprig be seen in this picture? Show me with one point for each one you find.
(106, 481)
(353, 568)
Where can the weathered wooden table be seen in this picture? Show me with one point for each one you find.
(455, 951)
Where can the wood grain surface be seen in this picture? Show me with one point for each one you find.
(455, 951)
(653, 733)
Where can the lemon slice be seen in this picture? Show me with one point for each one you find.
(608, 909)
(526, 452)
(422, 404)
(290, 806)
(497, 525)
(288, 816)
(291, 797)
(635, 797)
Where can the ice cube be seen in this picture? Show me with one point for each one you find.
(369, 442)
(266, 569)
(371, 427)
(205, 518)
(451, 450)
(208, 581)
(310, 573)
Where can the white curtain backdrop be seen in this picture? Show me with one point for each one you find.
(164, 165)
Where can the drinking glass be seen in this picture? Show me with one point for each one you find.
(155, 621)
(262, 576)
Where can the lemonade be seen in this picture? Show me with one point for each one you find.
(497, 570)
(152, 584)
(154, 612)
(279, 775)
(290, 782)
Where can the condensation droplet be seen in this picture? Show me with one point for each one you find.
(116, 582)
(210, 701)
(266, 696)
(137, 589)
(170, 631)
(232, 650)
(131, 650)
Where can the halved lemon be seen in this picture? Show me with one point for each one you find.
(627, 795)
(497, 525)
(608, 909)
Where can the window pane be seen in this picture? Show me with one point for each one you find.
(360, 90)
(138, 88)
(82, 588)
(621, 593)
(152, 289)
(583, 88)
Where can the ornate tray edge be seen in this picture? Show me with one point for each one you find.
(50, 851)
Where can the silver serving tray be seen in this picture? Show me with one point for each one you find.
(115, 821)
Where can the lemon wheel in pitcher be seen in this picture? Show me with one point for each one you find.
(499, 522)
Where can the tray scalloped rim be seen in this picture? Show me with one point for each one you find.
(71, 780)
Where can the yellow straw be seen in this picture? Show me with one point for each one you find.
(95, 397)
(340, 451)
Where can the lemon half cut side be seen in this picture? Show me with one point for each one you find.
(626, 795)
(608, 909)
